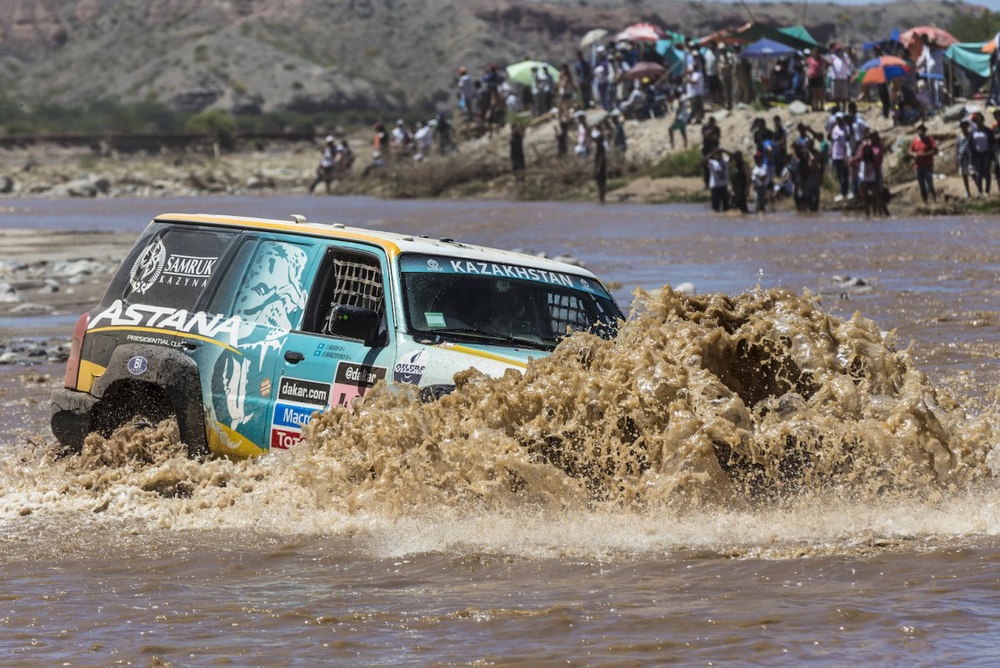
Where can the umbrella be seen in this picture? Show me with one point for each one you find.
(936, 35)
(645, 68)
(640, 32)
(595, 35)
(991, 45)
(882, 69)
(767, 47)
(521, 73)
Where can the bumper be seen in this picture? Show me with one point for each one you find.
(70, 416)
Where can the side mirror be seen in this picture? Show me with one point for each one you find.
(355, 322)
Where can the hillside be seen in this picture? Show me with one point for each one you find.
(247, 56)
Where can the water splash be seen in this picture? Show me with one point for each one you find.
(709, 420)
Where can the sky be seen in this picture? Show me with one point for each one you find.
(993, 5)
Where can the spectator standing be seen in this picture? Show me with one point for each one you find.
(867, 177)
(761, 181)
(423, 139)
(443, 130)
(926, 65)
(717, 165)
(840, 69)
(740, 179)
(883, 89)
(679, 123)
(381, 141)
(839, 154)
(582, 148)
(542, 90)
(727, 74)
(712, 79)
(923, 149)
(600, 164)
(780, 138)
(694, 92)
(517, 151)
(620, 141)
(816, 78)
(963, 155)
(567, 91)
(980, 143)
(466, 96)
(584, 76)
(603, 75)
(995, 131)
(327, 164)
(711, 140)
(561, 130)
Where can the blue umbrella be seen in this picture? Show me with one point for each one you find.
(767, 47)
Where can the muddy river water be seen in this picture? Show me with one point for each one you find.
(626, 503)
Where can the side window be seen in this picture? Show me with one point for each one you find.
(175, 266)
(271, 292)
(347, 278)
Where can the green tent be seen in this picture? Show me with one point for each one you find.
(970, 56)
(801, 34)
(794, 36)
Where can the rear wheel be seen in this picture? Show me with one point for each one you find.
(140, 404)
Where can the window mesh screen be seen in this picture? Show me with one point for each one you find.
(567, 311)
(356, 280)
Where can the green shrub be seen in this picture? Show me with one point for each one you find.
(680, 163)
(215, 123)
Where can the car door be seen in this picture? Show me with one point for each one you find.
(323, 363)
(265, 290)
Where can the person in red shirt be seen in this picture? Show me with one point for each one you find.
(923, 149)
(816, 77)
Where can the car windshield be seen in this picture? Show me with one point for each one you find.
(488, 302)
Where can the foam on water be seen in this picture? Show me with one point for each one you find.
(748, 426)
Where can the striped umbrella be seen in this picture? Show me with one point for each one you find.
(882, 69)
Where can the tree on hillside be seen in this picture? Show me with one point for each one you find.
(973, 26)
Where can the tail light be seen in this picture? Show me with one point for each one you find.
(73, 363)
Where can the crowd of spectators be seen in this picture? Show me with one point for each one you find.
(633, 80)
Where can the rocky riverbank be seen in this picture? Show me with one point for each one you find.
(479, 169)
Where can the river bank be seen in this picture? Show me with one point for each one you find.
(649, 172)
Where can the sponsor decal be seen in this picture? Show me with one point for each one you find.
(265, 387)
(148, 267)
(297, 400)
(331, 351)
(159, 317)
(283, 439)
(292, 416)
(155, 266)
(188, 270)
(353, 380)
(304, 391)
(423, 263)
(411, 368)
(154, 340)
(137, 365)
(510, 271)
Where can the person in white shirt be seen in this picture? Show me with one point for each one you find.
(694, 90)
(839, 154)
(841, 69)
(466, 100)
(928, 68)
(717, 163)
